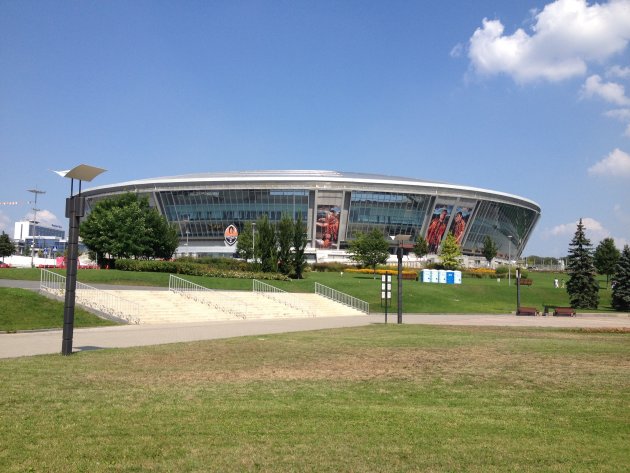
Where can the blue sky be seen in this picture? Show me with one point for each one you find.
(526, 97)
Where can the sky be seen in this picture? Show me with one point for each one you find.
(526, 97)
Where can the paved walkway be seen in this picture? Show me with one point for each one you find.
(49, 342)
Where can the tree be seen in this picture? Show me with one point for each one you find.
(421, 247)
(605, 257)
(621, 281)
(245, 242)
(582, 286)
(268, 247)
(299, 245)
(489, 250)
(369, 249)
(450, 253)
(6, 246)
(286, 228)
(127, 227)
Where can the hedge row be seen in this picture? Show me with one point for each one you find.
(405, 274)
(192, 269)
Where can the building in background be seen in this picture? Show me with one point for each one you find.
(336, 206)
(49, 238)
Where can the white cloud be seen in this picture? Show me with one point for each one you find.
(616, 164)
(44, 216)
(457, 50)
(618, 71)
(565, 36)
(609, 91)
(593, 229)
(622, 114)
(6, 225)
(627, 132)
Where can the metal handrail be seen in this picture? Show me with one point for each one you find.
(286, 298)
(342, 298)
(91, 297)
(198, 293)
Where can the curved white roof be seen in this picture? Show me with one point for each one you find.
(313, 176)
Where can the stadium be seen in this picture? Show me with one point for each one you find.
(210, 209)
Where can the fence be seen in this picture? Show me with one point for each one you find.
(91, 297)
(206, 296)
(342, 298)
(278, 295)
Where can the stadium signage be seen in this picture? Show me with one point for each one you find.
(231, 235)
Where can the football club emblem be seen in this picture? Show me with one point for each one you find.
(231, 235)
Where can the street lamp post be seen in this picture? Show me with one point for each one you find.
(35, 210)
(254, 241)
(75, 209)
(509, 260)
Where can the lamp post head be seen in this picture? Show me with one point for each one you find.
(82, 172)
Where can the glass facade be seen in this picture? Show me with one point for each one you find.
(392, 213)
(205, 214)
(508, 225)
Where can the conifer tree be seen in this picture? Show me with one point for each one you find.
(6, 246)
(489, 249)
(299, 245)
(245, 242)
(582, 286)
(421, 247)
(286, 230)
(450, 253)
(621, 281)
(267, 246)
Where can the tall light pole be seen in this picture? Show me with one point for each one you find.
(254, 241)
(75, 209)
(35, 210)
(509, 260)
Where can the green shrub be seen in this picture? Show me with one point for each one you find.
(192, 269)
(501, 271)
(330, 267)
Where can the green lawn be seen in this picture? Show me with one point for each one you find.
(376, 398)
(21, 309)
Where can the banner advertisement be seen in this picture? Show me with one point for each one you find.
(327, 226)
(437, 227)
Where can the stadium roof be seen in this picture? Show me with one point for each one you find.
(295, 176)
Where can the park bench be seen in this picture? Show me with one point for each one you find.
(527, 311)
(564, 311)
(525, 282)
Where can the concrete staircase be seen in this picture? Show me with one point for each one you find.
(163, 306)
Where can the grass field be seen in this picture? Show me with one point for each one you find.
(473, 296)
(26, 310)
(376, 398)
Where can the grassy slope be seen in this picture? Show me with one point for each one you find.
(473, 296)
(26, 310)
(378, 398)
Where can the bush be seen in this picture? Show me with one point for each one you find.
(192, 269)
(501, 271)
(481, 273)
(406, 274)
(219, 263)
(330, 267)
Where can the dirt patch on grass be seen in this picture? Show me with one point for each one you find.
(282, 360)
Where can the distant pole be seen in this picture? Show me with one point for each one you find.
(400, 298)
(518, 290)
(35, 209)
(509, 260)
(254, 241)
